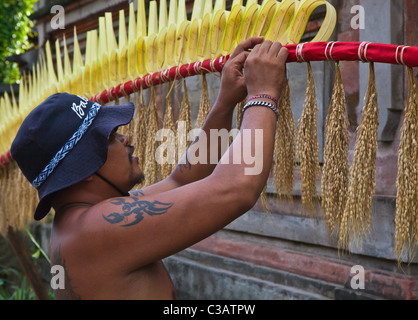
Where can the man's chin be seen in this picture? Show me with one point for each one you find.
(137, 179)
(140, 178)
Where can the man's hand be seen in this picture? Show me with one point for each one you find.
(265, 69)
(233, 88)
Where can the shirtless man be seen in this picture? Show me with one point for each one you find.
(111, 242)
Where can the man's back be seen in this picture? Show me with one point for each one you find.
(90, 276)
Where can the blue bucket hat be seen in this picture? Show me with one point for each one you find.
(64, 141)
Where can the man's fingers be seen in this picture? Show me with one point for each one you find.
(265, 47)
(246, 45)
(240, 59)
(256, 49)
(283, 54)
(275, 49)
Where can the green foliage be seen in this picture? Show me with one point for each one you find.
(39, 250)
(10, 290)
(14, 285)
(15, 34)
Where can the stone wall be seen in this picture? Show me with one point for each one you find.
(287, 254)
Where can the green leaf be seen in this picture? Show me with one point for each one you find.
(15, 28)
(37, 254)
(37, 246)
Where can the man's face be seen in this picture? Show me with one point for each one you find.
(122, 166)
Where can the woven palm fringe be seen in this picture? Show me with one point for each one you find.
(129, 128)
(5, 205)
(263, 200)
(284, 147)
(406, 221)
(205, 105)
(18, 199)
(186, 117)
(240, 107)
(151, 171)
(28, 196)
(335, 171)
(126, 129)
(355, 221)
(140, 127)
(168, 166)
(307, 148)
(139, 130)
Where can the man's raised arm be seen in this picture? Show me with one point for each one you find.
(264, 71)
(173, 220)
(204, 153)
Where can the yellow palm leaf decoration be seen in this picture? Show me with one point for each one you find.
(103, 54)
(141, 33)
(162, 35)
(303, 11)
(52, 78)
(182, 33)
(202, 49)
(78, 68)
(193, 36)
(94, 63)
(131, 63)
(232, 27)
(281, 20)
(87, 92)
(217, 27)
(170, 58)
(60, 70)
(112, 49)
(151, 47)
(247, 22)
(122, 49)
(67, 68)
(264, 18)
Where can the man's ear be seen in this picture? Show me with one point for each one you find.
(88, 179)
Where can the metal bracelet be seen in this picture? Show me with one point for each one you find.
(261, 104)
(267, 96)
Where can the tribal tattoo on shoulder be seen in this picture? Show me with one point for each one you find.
(134, 208)
(137, 193)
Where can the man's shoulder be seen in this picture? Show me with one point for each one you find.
(116, 203)
(129, 211)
